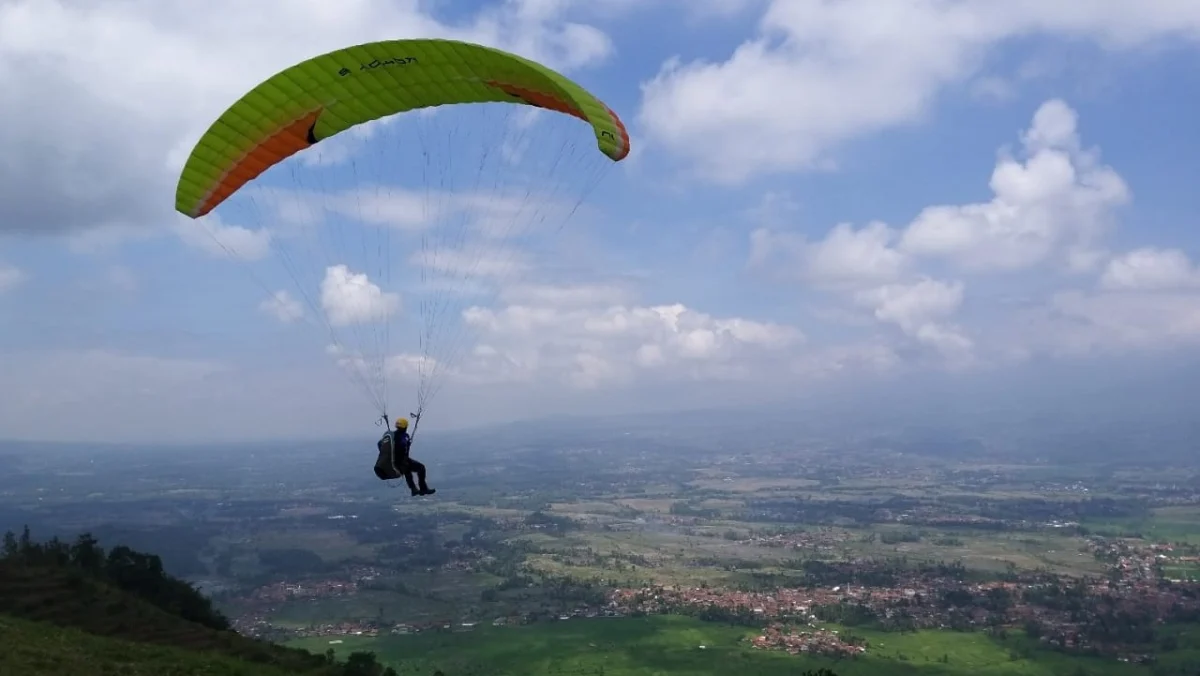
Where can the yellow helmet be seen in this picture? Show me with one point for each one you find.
(401, 423)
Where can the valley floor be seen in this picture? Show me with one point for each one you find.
(681, 646)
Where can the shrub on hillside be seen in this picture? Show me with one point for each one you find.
(137, 573)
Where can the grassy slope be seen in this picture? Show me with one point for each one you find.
(42, 649)
(670, 645)
(62, 599)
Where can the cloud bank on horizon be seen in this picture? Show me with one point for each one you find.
(821, 192)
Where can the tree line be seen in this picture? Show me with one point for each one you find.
(141, 575)
(135, 572)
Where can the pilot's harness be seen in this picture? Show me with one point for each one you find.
(412, 435)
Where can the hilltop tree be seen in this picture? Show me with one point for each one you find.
(135, 572)
(363, 663)
(87, 554)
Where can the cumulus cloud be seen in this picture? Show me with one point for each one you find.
(1059, 200)
(1146, 299)
(1076, 323)
(865, 269)
(1150, 269)
(382, 205)
(124, 89)
(492, 215)
(577, 333)
(822, 72)
(871, 357)
(844, 258)
(283, 307)
(213, 237)
(1057, 204)
(1058, 197)
(351, 298)
(920, 310)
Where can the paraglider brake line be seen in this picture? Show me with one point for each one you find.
(416, 421)
(415, 416)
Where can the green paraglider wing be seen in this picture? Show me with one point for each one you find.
(331, 93)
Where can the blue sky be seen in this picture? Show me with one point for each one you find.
(822, 194)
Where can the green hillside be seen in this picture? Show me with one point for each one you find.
(43, 649)
(74, 609)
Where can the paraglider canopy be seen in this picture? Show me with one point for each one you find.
(331, 93)
(449, 182)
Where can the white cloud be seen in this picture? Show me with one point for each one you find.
(1057, 205)
(351, 298)
(844, 360)
(823, 71)
(406, 366)
(1059, 201)
(920, 310)
(215, 238)
(574, 295)
(1058, 198)
(493, 215)
(909, 305)
(577, 335)
(11, 277)
(384, 205)
(344, 146)
(1148, 300)
(1078, 323)
(283, 307)
(1150, 269)
(845, 258)
(993, 88)
(479, 260)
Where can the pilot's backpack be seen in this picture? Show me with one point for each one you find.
(385, 464)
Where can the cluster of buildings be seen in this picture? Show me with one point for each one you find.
(341, 628)
(1145, 562)
(347, 582)
(806, 642)
(259, 625)
(934, 517)
(279, 592)
(1065, 611)
(916, 598)
(772, 604)
(822, 538)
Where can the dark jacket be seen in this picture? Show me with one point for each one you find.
(402, 443)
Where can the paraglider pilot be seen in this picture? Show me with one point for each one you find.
(394, 460)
